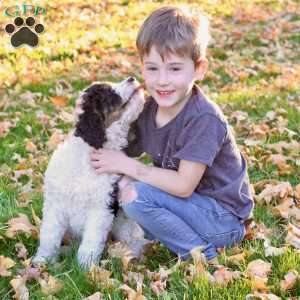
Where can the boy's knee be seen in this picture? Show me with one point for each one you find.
(127, 194)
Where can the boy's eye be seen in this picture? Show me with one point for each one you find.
(175, 69)
(151, 69)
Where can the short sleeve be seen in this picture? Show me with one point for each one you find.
(201, 139)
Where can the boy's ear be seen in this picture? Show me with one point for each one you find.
(201, 68)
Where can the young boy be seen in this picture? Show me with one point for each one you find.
(198, 192)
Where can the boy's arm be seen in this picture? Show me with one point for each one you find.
(181, 183)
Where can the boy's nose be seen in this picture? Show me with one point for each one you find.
(163, 78)
(130, 79)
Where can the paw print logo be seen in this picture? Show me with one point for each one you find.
(24, 33)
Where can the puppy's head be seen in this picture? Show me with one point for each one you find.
(100, 105)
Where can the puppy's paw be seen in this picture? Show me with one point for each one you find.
(86, 259)
(42, 260)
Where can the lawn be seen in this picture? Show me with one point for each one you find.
(254, 75)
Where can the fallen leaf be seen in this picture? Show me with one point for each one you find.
(21, 224)
(131, 293)
(96, 296)
(30, 146)
(223, 275)
(101, 277)
(273, 251)
(5, 264)
(4, 128)
(258, 268)
(19, 286)
(21, 250)
(289, 281)
(277, 191)
(122, 251)
(293, 235)
(56, 138)
(158, 287)
(258, 271)
(237, 258)
(59, 101)
(262, 296)
(50, 285)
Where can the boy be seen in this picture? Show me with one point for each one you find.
(198, 192)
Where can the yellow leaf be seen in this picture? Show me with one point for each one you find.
(262, 296)
(158, 287)
(30, 146)
(289, 281)
(96, 296)
(5, 264)
(293, 236)
(51, 285)
(98, 274)
(223, 275)
(21, 291)
(237, 258)
(21, 224)
(258, 268)
(59, 101)
(121, 250)
(56, 138)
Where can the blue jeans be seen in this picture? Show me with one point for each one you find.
(182, 224)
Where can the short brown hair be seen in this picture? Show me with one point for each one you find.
(174, 30)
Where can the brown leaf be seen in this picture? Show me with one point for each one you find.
(5, 264)
(262, 296)
(30, 146)
(121, 250)
(277, 191)
(293, 235)
(283, 210)
(289, 281)
(273, 251)
(21, 224)
(158, 287)
(237, 258)
(223, 275)
(21, 250)
(96, 296)
(50, 285)
(56, 138)
(258, 268)
(98, 274)
(132, 294)
(19, 286)
(59, 101)
(4, 128)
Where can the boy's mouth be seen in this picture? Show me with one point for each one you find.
(164, 93)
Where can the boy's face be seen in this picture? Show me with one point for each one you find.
(170, 81)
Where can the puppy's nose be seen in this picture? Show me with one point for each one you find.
(130, 79)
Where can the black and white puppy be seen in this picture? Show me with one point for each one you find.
(76, 199)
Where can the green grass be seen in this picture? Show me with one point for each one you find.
(95, 48)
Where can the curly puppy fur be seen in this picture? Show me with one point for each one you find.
(76, 199)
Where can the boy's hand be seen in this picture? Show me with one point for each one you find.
(110, 161)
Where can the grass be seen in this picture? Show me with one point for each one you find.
(84, 42)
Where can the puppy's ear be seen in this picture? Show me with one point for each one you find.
(91, 124)
(91, 129)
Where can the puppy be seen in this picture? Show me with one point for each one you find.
(76, 199)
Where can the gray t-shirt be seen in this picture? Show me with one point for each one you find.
(199, 133)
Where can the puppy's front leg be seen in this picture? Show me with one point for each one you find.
(95, 234)
(52, 231)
